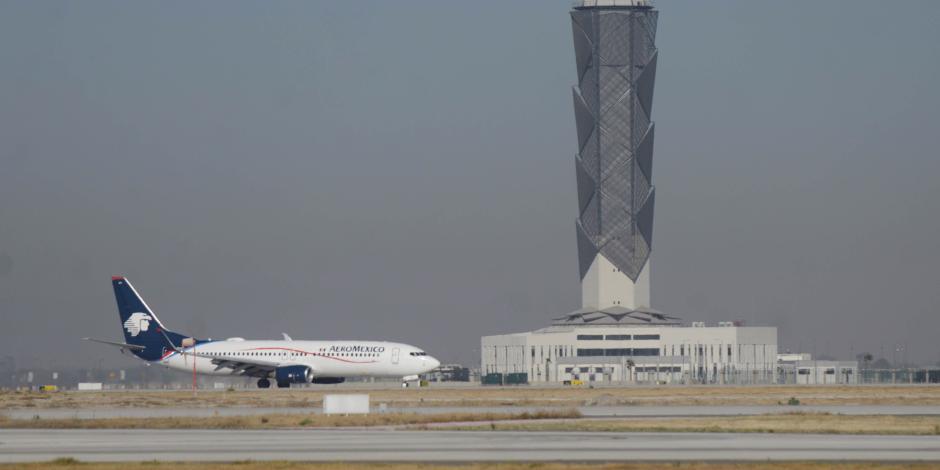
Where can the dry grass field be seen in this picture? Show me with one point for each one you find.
(811, 423)
(492, 397)
(66, 464)
(546, 420)
(281, 421)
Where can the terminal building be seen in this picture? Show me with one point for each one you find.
(633, 353)
(616, 336)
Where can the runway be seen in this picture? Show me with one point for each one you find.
(453, 446)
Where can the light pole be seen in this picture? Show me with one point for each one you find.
(687, 352)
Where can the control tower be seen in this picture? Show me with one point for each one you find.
(615, 51)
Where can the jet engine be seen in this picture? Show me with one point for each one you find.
(293, 375)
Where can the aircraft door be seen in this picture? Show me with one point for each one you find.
(394, 355)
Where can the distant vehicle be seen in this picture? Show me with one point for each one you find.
(573, 382)
(284, 362)
(49, 388)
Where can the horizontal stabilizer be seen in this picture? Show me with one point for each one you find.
(132, 347)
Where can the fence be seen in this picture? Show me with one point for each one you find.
(900, 376)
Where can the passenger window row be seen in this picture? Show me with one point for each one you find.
(269, 354)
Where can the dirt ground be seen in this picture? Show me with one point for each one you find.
(492, 396)
(808, 423)
(282, 421)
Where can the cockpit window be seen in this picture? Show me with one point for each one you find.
(418, 353)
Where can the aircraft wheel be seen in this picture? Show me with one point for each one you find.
(264, 383)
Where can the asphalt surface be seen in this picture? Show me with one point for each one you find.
(371, 445)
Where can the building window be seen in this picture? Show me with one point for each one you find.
(590, 352)
(617, 337)
(584, 369)
(617, 352)
(830, 371)
(569, 370)
(599, 370)
(645, 351)
(803, 372)
(590, 337)
(729, 353)
(642, 337)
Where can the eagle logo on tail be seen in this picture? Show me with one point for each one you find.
(137, 322)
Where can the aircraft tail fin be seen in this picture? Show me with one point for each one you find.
(141, 326)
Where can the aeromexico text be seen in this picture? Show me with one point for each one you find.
(364, 349)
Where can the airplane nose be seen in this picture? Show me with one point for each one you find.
(433, 363)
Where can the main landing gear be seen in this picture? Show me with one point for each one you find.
(265, 383)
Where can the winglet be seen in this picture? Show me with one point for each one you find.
(286, 337)
(117, 278)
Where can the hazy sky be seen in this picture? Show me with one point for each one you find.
(405, 170)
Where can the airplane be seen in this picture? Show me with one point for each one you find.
(283, 362)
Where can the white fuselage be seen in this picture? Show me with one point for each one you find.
(324, 358)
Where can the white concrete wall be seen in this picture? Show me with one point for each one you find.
(825, 372)
(606, 286)
(503, 353)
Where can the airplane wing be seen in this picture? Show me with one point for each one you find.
(239, 365)
(132, 347)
